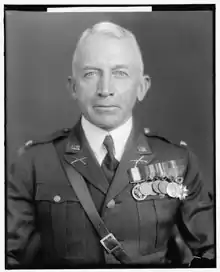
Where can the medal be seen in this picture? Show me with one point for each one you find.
(152, 171)
(135, 175)
(179, 180)
(173, 170)
(147, 172)
(165, 166)
(155, 186)
(172, 189)
(136, 193)
(162, 186)
(177, 191)
(180, 164)
(159, 170)
(146, 188)
(183, 192)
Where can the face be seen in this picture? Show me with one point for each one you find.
(107, 80)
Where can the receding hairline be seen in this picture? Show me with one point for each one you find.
(107, 29)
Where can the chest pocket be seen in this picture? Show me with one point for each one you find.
(61, 220)
(156, 218)
(55, 193)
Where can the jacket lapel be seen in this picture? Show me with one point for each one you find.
(136, 151)
(80, 156)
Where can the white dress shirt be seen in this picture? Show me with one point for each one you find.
(95, 137)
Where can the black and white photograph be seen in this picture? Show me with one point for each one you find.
(110, 137)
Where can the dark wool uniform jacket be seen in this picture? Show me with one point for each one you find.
(46, 219)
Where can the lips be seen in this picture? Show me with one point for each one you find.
(105, 107)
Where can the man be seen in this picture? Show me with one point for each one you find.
(141, 185)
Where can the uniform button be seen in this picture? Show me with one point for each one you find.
(57, 198)
(183, 143)
(111, 204)
(28, 143)
(146, 130)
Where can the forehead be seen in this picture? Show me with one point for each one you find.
(101, 49)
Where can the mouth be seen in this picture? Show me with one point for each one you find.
(105, 107)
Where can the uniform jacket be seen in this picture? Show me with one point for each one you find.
(46, 219)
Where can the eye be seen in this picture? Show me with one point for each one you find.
(90, 74)
(120, 73)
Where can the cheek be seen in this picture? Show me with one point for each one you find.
(87, 84)
(83, 85)
(127, 92)
(83, 100)
(85, 92)
(125, 86)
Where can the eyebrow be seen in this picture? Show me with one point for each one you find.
(90, 68)
(118, 66)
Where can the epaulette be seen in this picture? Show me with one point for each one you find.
(148, 133)
(49, 138)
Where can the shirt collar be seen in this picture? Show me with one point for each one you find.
(96, 136)
(120, 136)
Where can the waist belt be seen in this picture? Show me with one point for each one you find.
(108, 240)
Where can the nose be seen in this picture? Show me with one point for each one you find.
(104, 88)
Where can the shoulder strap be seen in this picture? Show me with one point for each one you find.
(149, 133)
(49, 138)
(108, 240)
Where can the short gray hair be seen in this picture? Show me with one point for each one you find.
(111, 29)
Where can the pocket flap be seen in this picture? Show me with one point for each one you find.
(55, 193)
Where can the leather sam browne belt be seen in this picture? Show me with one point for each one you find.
(108, 240)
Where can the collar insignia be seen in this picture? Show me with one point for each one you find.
(72, 148)
(82, 160)
(142, 150)
(140, 160)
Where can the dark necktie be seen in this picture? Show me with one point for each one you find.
(109, 164)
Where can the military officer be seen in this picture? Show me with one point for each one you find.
(141, 185)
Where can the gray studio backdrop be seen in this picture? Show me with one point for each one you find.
(177, 52)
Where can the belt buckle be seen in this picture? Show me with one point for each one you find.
(110, 243)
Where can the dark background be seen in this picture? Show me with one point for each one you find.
(177, 49)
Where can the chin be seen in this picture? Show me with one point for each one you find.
(105, 123)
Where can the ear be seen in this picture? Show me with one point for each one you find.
(143, 87)
(71, 86)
